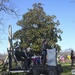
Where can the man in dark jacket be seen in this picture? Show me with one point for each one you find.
(20, 55)
(45, 47)
(72, 58)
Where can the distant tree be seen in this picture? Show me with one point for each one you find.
(6, 7)
(36, 26)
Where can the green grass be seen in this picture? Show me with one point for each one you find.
(66, 70)
(65, 66)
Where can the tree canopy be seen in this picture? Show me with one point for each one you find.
(36, 26)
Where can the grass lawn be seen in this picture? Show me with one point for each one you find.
(67, 69)
(65, 66)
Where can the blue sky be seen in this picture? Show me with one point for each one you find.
(64, 10)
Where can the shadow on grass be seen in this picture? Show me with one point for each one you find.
(66, 68)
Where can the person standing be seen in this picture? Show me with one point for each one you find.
(72, 58)
(45, 47)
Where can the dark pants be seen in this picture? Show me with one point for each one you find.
(72, 61)
(28, 62)
(44, 57)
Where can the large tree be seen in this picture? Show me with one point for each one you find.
(36, 26)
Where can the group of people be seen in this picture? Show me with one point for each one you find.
(24, 56)
(28, 55)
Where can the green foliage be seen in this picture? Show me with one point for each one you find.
(36, 25)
